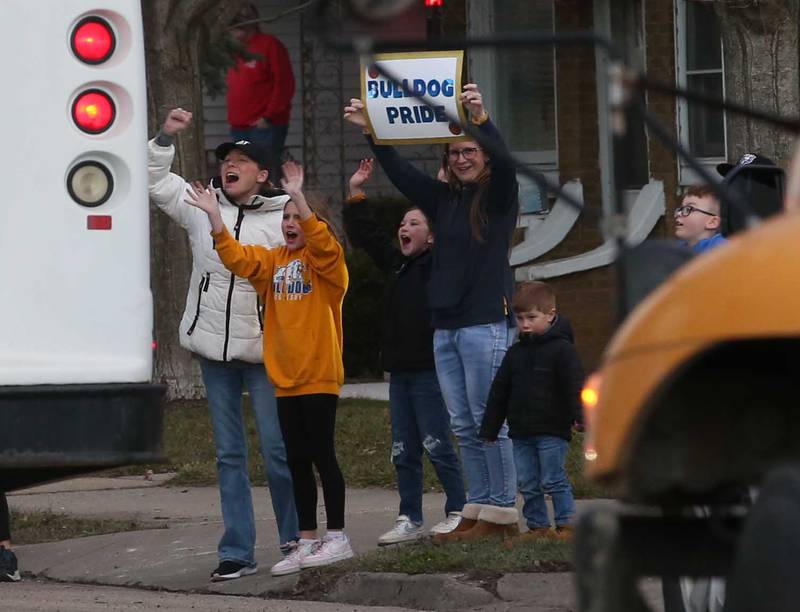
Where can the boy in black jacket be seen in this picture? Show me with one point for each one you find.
(537, 388)
(420, 423)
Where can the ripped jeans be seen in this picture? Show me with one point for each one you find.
(420, 423)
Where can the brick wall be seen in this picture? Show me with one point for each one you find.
(588, 299)
(660, 39)
(585, 298)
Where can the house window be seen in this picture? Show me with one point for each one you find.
(700, 68)
(524, 86)
(518, 84)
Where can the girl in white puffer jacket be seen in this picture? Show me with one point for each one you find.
(222, 326)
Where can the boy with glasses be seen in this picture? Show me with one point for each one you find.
(697, 219)
(697, 225)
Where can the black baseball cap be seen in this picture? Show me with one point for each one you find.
(748, 159)
(254, 150)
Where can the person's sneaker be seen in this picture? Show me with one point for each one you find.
(404, 530)
(288, 547)
(332, 550)
(230, 570)
(448, 524)
(9, 572)
(291, 563)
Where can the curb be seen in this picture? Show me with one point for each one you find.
(421, 592)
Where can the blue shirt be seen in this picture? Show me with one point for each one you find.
(709, 243)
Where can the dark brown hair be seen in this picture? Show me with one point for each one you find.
(534, 294)
(422, 212)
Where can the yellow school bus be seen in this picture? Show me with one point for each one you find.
(693, 404)
(696, 390)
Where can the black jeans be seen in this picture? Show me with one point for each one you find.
(308, 423)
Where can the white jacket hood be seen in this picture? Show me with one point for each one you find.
(223, 316)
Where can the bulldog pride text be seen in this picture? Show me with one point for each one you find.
(393, 112)
(418, 113)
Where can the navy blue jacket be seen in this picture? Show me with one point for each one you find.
(406, 332)
(537, 387)
(471, 281)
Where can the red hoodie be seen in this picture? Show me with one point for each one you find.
(262, 86)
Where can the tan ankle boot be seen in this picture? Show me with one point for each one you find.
(469, 517)
(529, 537)
(563, 533)
(493, 521)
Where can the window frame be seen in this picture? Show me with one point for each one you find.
(481, 22)
(686, 175)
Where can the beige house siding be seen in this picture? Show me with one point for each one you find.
(318, 136)
(287, 29)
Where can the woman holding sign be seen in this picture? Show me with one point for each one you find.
(469, 294)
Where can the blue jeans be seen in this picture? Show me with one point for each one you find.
(274, 138)
(466, 361)
(540, 467)
(224, 381)
(420, 423)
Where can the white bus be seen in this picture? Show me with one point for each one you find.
(76, 309)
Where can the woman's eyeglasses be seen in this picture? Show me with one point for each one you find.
(685, 211)
(468, 153)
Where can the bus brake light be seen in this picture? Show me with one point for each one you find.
(93, 111)
(93, 40)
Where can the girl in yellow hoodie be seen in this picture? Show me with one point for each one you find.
(302, 285)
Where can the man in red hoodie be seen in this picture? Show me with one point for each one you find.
(260, 89)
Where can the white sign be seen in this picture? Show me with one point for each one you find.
(397, 117)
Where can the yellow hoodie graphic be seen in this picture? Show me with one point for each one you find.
(303, 291)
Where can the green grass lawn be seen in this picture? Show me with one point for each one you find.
(484, 560)
(425, 557)
(363, 441)
(36, 527)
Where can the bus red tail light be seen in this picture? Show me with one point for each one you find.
(93, 111)
(93, 40)
(98, 222)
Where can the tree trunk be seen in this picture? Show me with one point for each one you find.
(176, 32)
(761, 70)
(321, 76)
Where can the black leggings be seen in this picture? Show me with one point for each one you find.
(308, 423)
(5, 528)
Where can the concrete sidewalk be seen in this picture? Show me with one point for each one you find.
(180, 554)
(372, 390)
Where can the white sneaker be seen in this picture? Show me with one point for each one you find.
(448, 524)
(291, 563)
(330, 551)
(404, 530)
